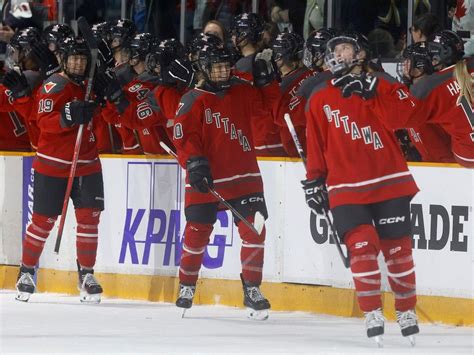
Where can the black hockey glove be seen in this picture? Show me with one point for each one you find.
(199, 174)
(77, 112)
(45, 59)
(182, 70)
(17, 84)
(364, 85)
(107, 86)
(105, 57)
(316, 195)
(264, 68)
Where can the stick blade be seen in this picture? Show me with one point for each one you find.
(86, 33)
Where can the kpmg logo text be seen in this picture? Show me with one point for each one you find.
(154, 222)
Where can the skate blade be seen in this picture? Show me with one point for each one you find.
(184, 312)
(379, 340)
(257, 315)
(412, 340)
(90, 299)
(22, 296)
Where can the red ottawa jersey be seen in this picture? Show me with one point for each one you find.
(349, 146)
(56, 143)
(442, 105)
(13, 134)
(290, 103)
(217, 126)
(433, 143)
(266, 134)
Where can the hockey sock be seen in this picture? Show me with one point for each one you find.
(401, 271)
(87, 236)
(363, 245)
(196, 238)
(251, 253)
(36, 234)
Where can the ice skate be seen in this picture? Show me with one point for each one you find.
(408, 322)
(185, 297)
(25, 285)
(374, 323)
(90, 290)
(257, 305)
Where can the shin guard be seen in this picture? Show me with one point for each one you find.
(196, 238)
(251, 253)
(36, 234)
(87, 236)
(363, 245)
(401, 271)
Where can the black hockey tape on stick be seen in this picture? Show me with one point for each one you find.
(333, 233)
(92, 44)
(216, 194)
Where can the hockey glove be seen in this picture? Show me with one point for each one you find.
(316, 195)
(264, 68)
(17, 84)
(182, 70)
(107, 86)
(364, 85)
(45, 59)
(105, 56)
(77, 112)
(199, 174)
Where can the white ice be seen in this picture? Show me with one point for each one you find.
(52, 323)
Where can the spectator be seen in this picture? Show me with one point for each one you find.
(216, 28)
(424, 27)
(381, 44)
(18, 14)
(314, 16)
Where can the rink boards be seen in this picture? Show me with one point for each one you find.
(141, 234)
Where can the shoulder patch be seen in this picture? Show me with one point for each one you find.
(426, 85)
(49, 86)
(321, 85)
(187, 101)
(312, 83)
(55, 84)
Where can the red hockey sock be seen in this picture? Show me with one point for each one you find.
(251, 253)
(87, 236)
(363, 245)
(401, 271)
(196, 238)
(36, 234)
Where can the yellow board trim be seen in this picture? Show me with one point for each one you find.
(283, 296)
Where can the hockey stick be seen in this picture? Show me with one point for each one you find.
(333, 233)
(92, 44)
(223, 201)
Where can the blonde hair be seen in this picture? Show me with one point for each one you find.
(465, 81)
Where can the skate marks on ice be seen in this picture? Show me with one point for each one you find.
(51, 323)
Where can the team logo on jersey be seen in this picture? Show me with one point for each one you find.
(49, 86)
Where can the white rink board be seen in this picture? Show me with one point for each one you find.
(141, 228)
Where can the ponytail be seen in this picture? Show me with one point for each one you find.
(465, 81)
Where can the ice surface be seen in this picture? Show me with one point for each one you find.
(52, 323)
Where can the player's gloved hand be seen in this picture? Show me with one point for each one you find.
(199, 174)
(77, 112)
(264, 68)
(17, 84)
(107, 86)
(316, 195)
(105, 56)
(45, 59)
(182, 70)
(363, 84)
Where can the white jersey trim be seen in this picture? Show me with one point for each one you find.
(63, 161)
(462, 158)
(261, 147)
(368, 182)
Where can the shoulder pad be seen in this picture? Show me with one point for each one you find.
(288, 79)
(187, 101)
(245, 64)
(124, 74)
(33, 78)
(320, 86)
(311, 83)
(54, 84)
(236, 81)
(385, 76)
(426, 85)
(148, 78)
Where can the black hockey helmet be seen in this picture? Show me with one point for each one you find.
(288, 46)
(336, 63)
(363, 42)
(446, 48)
(211, 55)
(315, 47)
(247, 26)
(20, 45)
(102, 31)
(415, 56)
(161, 56)
(53, 35)
(75, 47)
(140, 46)
(121, 33)
(199, 41)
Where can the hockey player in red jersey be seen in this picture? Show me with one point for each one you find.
(247, 32)
(347, 171)
(60, 112)
(13, 134)
(212, 134)
(288, 53)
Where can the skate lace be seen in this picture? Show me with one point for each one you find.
(89, 281)
(186, 292)
(407, 319)
(26, 279)
(374, 319)
(255, 294)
